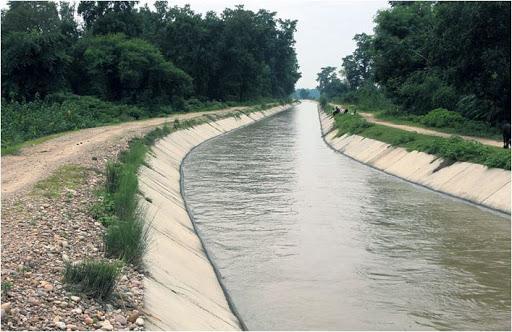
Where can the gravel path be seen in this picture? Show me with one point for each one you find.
(42, 230)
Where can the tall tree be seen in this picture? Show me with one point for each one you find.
(357, 67)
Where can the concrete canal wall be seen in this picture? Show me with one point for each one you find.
(489, 187)
(182, 291)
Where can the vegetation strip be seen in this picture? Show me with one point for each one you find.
(453, 148)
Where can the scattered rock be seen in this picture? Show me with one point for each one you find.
(3, 314)
(121, 319)
(133, 316)
(139, 321)
(72, 327)
(106, 325)
(61, 325)
(6, 307)
(75, 299)
(88, 321)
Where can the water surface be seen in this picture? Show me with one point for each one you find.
(308, 239)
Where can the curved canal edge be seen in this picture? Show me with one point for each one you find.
(183, 290)
(474, 183)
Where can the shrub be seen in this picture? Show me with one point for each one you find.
(404, 138)
(323, 100)
(442, 118)
(93, 278)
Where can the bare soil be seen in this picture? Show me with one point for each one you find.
(32, 164)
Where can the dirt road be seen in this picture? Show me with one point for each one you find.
(34, 163)
(371, 118)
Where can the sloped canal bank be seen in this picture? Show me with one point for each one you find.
(306, 238)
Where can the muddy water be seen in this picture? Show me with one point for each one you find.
(307, 239)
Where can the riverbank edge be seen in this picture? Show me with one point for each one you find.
(473, 183)
(184, 289)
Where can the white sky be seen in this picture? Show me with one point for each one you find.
(324, 31)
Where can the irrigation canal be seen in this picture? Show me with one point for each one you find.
(308, 239)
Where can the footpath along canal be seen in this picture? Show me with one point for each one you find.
(308, 239)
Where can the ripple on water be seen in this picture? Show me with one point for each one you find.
(308, 239)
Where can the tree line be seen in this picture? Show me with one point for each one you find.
(130, 55)
(429, 55)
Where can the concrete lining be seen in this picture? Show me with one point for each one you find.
(478, 184)
(183, 290)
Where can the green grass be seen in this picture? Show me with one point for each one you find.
(6, 287)
(68, 176)
(454, 148)
(95, 278)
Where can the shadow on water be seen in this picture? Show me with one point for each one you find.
(308, 239)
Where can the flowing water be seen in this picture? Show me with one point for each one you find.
(308, 239)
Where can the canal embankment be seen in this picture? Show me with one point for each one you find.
(478, 184)
(183, 290)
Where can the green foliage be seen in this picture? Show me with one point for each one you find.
(404, 138)
(351, 124)
(95, 278)
(429, 55)
(132, 71)
(329, 83)
(6, 287)
(324, 101)
(454, 148)
(357, 66)
(368, 97)
(59, 113)
(441, 117)
(445, 121)
(153, 59)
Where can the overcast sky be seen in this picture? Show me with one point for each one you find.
(324, 31)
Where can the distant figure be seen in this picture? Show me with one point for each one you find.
(336, 111)
(506, 135)
(346, 111)
(355, 112)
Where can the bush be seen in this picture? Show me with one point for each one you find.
(351, 124)
(323, 101)
(404, 138)
(93, 278)
(442, 118)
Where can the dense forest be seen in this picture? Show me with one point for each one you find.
(430, 55)
(306, 94)
(125, 61)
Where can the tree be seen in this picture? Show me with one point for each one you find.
(329, 84)
(104, 17)
(132, 71)
(34, 57)
(358, 66)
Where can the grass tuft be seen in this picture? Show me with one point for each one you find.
(95, 278)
